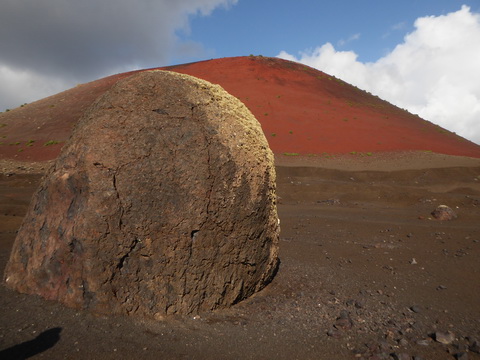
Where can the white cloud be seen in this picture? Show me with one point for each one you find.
(50, 45)
(399, 26)
(24, 86)
(433, 73)
(354, 37)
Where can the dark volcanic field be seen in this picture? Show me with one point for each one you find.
(365, 273)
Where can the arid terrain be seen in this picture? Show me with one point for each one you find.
(357, 241)
(366, 272)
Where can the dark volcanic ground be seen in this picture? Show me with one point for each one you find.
(365, 273)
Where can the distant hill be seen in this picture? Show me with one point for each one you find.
(302, 110)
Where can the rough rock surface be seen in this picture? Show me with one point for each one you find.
(443, 213)
(162, 202)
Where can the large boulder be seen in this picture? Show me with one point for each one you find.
(161, 202)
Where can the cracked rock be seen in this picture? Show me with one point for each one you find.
(161, 202)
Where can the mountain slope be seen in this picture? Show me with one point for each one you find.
(302, 110)
(307, 111)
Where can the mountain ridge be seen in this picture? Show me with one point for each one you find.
(302, 111)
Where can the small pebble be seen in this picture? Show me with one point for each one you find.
(475, 346)
(334, 333)
(359, 304)
(343, 323)
(350, 302)
(415, 308)
(445, 338)
(423, 342)
(403, 342)
(401, 356)
(461, 356)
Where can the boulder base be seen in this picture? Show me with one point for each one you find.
(162, 202)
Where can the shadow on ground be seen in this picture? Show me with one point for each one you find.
(28, 349)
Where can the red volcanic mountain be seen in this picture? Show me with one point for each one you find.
(302, 110)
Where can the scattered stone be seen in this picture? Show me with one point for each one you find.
(445, 338)
(441, 287)
(329, 202)
(380, 356)
(415, 308)
(335, 333)
(390, 334)
(461, 356)
(474, 346)
(360, 303)
(462, 347)
(413, 261)
(162, 202)
(460, 253)
(384, 345)
(11, 167)
(423, 342)
(401, 356)
(443, 213)
(403, 342)
(344, 321)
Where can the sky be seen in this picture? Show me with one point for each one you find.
(421, 55)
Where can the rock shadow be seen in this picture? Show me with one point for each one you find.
(28, 349)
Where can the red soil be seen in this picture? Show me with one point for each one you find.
(302, 110)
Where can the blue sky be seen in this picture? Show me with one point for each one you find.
(421, 55)
(370, 28)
